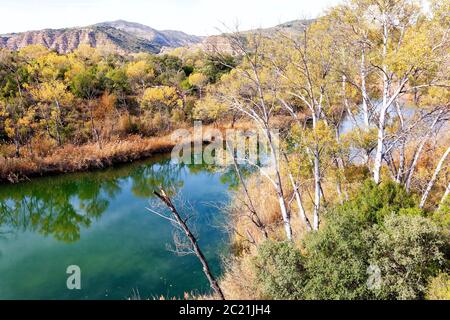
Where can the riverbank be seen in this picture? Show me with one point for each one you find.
(77, 158)
(72, 158)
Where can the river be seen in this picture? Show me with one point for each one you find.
(99, 222)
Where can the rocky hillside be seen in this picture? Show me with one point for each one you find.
(223, 44)
(128, 37)
(120, 36)
(165, 38)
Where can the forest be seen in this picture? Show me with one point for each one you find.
(358, 203)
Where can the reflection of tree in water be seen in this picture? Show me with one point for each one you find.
(60, 206)
(228, 174)
(57, 206)
(147, 179)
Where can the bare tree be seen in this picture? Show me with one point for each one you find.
(254, 217)
(307, 70)
(434, 178)
(191, 247)
(255, 104)
(412, 167)
(298, 196)
(446, 194)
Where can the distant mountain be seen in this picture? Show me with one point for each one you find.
(120, 36)
(223, 44)
(129, 37)
(291, 27)
(164, 38)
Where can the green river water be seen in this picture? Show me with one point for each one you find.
(99, 222)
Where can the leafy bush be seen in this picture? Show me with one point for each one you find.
(380, 235)
(279, 270)
(337, 259)
(442, 214)
(408, 251)
(374, 202)
(407, 248)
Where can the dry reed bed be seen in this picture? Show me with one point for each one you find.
(71, 158)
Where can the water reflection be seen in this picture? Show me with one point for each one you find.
(60, 206)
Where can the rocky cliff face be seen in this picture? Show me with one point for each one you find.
(120, 36)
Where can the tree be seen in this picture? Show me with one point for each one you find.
(86, 85)
(409, 251)
(434, 178)
(160, 99)
(337, 258)
(439, 288)
(17, 114)
(210, 108)
(306, 65)
(140, 74)
(191, 247)
(53, 98)
(374, 202)
(280, 271)
(19, 121)
(198, 80)
(251, 90)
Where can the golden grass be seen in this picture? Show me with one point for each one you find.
(48, 159)
(72, 158)
(238, 281)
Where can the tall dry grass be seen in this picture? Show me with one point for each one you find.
(72, 158)
(43, 157)
(238, 281)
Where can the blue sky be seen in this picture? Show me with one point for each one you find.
(200, 17)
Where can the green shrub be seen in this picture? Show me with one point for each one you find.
(337, 259)
(279, 271)
(405, 247)
(408, 251)
(442, 214)
(377, 246)
(374, 202)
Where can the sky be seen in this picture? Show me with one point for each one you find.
(199, 17)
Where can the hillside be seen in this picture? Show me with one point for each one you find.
(164, 38)
(223, 44)
(128, 37)
(120, 36)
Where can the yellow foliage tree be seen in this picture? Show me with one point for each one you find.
(161, 99)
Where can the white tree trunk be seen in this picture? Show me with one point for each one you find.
(446, 194)
(278, 185)
(418, 153)
(365, 107)
(301, 208)
(401, 161)
(317, 190)
(434, 178)
(380, 143)
(384, 109)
